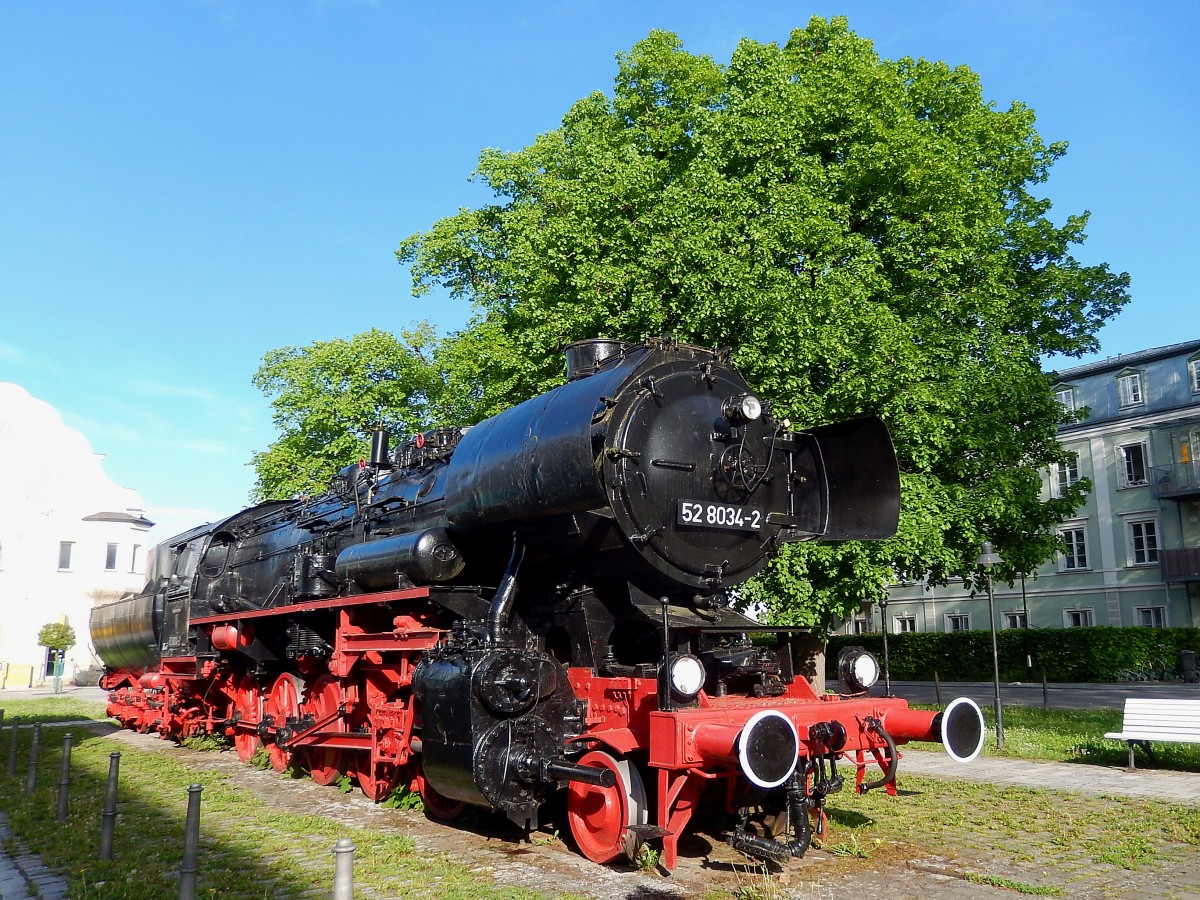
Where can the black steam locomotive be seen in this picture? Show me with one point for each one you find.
(541, 603)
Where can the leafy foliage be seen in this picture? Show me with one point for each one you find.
(56, 636)
(329, 395)
(865, 234)
(862, 231)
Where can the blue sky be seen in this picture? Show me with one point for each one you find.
(186, 185)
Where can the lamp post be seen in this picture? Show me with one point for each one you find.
(1025, 636)
(988, 559)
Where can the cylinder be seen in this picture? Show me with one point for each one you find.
(34, 749)
(64, 780)
(191, 844)
(585, 358)
(959, 728)
(343, 869)
(108, 819)
(422, 557)
(766, 747)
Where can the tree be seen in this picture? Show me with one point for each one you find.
(328, 396)
(865, 234)
(57, 636)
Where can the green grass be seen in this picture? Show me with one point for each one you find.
(1053, 841)
(52, 709)
(1074, 735)
(248, 849)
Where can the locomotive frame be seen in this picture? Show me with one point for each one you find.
(529, 609)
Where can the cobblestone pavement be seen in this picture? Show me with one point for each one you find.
(23, 876)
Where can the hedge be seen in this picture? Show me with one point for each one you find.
(1063, 654)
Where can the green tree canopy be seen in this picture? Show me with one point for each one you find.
(56, 636)
(328, 396)
(864, 232)
(866, 235)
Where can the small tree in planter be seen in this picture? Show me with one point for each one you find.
(58, 637)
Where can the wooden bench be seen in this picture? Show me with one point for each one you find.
(1147, 720)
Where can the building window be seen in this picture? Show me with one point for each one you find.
(1129, 389)
(134, 557)
(958, 622)
(1074, 555)
(1066, 397)
(1141, 542)
(1066, 474)
(1078, 618)
(1132, 464)
(1194, 374)
(904, 624)
(862, 626)
(64, 555)
(1151, 616)
(1014, 620)
(110, 558)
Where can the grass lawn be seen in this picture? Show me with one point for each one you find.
(1055, 842)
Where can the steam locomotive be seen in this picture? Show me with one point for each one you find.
(537, 608)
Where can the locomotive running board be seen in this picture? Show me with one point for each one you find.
(313, 605)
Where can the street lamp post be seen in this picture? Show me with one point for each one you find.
(988, 559)
(1025, 635)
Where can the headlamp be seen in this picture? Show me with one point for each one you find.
(741, 408)
(687, 676)
(857, 670)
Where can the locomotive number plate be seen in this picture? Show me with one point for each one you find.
(718, 515)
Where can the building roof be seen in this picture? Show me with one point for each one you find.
(1121, 360)
(125, 517)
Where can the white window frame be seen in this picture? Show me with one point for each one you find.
(1126, 477)
(1149, 540)
(1068, 560)
(899, 622)
(860, 625)
(1152, 609)
(1130, 390)
(1065, 475)
(955, 616)
(1013, 619)
(1065, 395)
(66, 550)
(1087, 613)
(1194, 373)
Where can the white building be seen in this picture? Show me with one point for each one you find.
(69, 537)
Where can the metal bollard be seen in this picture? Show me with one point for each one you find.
(64, 780)
(108, 819)
(31, 778)
(12, 752)
(343, 869)
(191, 844)
(937, 689)
(1045, 691)
(1, 717)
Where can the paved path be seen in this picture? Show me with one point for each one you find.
(22, 875)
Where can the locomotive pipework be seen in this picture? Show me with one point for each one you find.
(489, 616)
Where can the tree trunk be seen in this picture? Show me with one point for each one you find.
(808, 657)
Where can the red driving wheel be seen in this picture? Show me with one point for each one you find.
(283, 703)
(600, 817)
(321, 700)
(247, 704)
(438, 806)
(373, 779)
